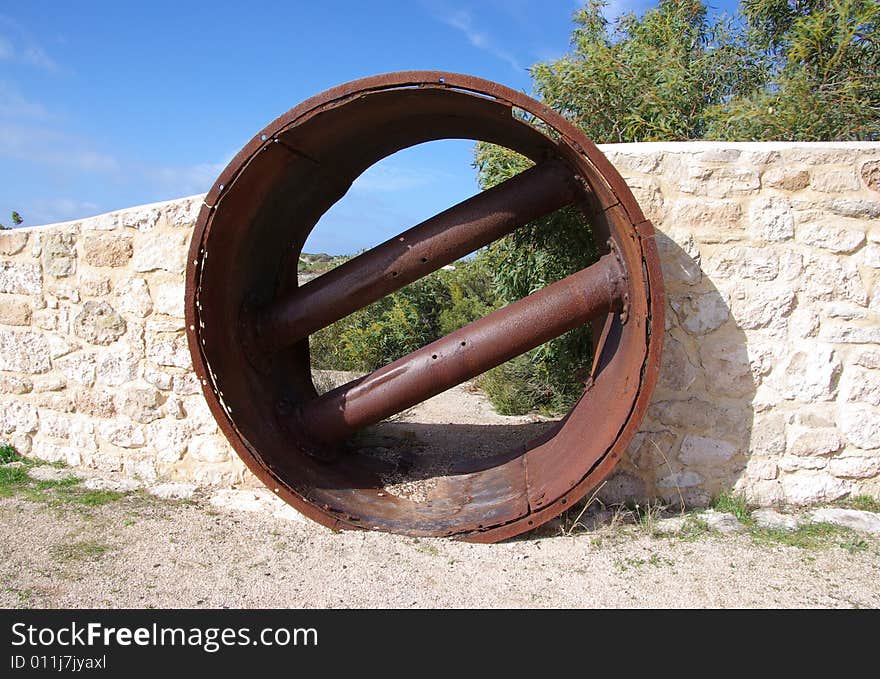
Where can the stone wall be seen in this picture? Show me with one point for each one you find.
(771, 374)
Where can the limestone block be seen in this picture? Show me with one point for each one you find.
(854, 207)
(107, 250)
(803, 323)
(868, 522)
(762, 306)
(767, 435)
(183, 213)
(810, 374)
(803, 441)
(870, 174)
(172, 491)
(771, 219)
(11, 383)
(50, 382)
(829, 278)
(143, 218)
(833, 180)
(169, 299)
(133, 297)
(167, 253)
(115, 368)
(860, 384)
(170, 438)
(682, 479)
(676, 371)
(830, 236)
(158, 378)
(12, 241)
(98, 323)
(123, 433)
(14, 311)
(24, 351)
(720, 182)
(95, 403)
(860, 425)
(652, 450)
(726, 362)
(867, 358)
(59, 254)
(786, 178)
(18, 417)
(809, 487)
(186, 384)
(700, 313)
(168, 349)
(209, 448)
(78, 367)
(680, 262)
(141, 404)
(850, 333)
(705, 450)
(741, 261)
(21, 278)
(871, 255)
(855, 467)
(94, 285)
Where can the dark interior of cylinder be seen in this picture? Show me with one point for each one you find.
(251, 245)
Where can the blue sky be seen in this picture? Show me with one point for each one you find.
(104, 105)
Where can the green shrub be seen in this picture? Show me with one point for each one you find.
(405, 320)
(8, 454)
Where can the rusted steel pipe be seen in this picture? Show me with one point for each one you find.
(442, 239)
(461, 355)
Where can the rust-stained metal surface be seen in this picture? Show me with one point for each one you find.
(248, 322)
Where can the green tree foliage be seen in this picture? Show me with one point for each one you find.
(405, 320)
(823, 61)
(792, 70)
(651, 78)
(16, 220)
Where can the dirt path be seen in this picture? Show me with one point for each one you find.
(63, 545)
(139, 551)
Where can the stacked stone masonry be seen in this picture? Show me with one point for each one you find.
(770, 381)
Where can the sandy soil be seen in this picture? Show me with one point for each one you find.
(143, 552)
(140, 551)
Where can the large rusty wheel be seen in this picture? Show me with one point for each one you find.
(248, 321)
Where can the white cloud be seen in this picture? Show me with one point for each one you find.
(14, 105)
(49, 210)
(462, 21)
(17, 45)
(36, 56)
(385, 177)
(185, 180)
(48, 147)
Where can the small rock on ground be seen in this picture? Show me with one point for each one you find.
(771, 519)
(120, 486)
(723, 522)
(50, 473)
(856, 519)
(172, 491)
(670, 526)
(259, 500)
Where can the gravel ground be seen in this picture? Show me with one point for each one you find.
(140, 551)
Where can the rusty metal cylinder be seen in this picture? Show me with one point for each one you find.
(463, 354)
(438, 241)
